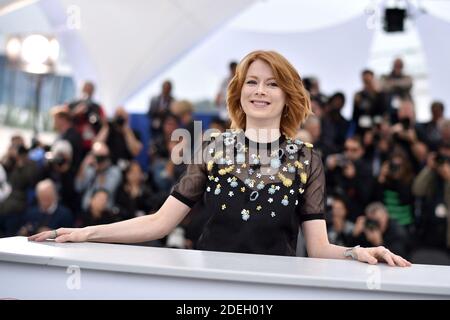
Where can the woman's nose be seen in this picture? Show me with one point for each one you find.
(260, 89)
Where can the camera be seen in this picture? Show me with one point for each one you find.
(21, 150)
(371, 224)
(101, 158)
(119, 121)
(441, 159)
(55, 159)
(406, 123)
(341, 160)
(394, 167)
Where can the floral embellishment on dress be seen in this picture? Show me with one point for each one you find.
(254, 195)
(272, 177)
(291, 148)
(260, 185)
(296, 202)
(272, 189)
(270, 200)
(285, 169)
(285, 201)
(258, 208)
(259, 175)
(216, 179)
(298, 141)
(240, 147)
(238, 170)
(224, 206)
(298, 165)
(226, 170)
(245, 214)
(229, 162)
(217, 191)
(228, 141)
(301, 190)
(275, 163)
(291, 191)
(231, 193)
(291, 169)
(240, 158)
(303, 177)
(210, 165)
(306, 162)
(208, 189)
(273, 214)
(250, 182)
(286, 181)
(308, 145)
(233, 184)
(243, 189)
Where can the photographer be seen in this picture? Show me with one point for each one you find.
(22, 176)
(393, 188)
(59, 168)
(404, 135)
(98, 179)
(48, 214)
(433, 184)
(123, 142)
(339, 229)
(375, 228)
(87, 116)
(367, 104)
(62, 122)
(346, 173)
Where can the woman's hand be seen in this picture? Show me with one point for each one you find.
(374, 255)
(62, 235)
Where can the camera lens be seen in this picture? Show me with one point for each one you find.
(120, 121)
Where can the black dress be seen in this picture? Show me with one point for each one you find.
(258, 194)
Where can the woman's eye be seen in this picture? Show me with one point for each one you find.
(273, 84)
(251, 82)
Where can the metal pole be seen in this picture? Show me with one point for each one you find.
(37, 105)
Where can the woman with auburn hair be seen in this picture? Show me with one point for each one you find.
(258, 184)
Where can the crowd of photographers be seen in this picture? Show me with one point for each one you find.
(388, 177)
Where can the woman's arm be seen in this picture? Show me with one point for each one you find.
(317, 245)
(140, 229)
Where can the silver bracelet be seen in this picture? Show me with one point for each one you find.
(351, 253)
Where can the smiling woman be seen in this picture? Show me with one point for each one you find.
(259, 183)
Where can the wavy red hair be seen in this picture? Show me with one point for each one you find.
(298, 105)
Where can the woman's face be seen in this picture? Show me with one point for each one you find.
(134, 173)
(170, 124)
(339, 210)
(261, 97)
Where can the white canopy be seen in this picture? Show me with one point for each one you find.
(129, 47)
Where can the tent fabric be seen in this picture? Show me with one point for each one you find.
(124, 44)
(323, 53)
(434, 36)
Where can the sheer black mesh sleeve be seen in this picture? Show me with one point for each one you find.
(312, 204)
(192, 184)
